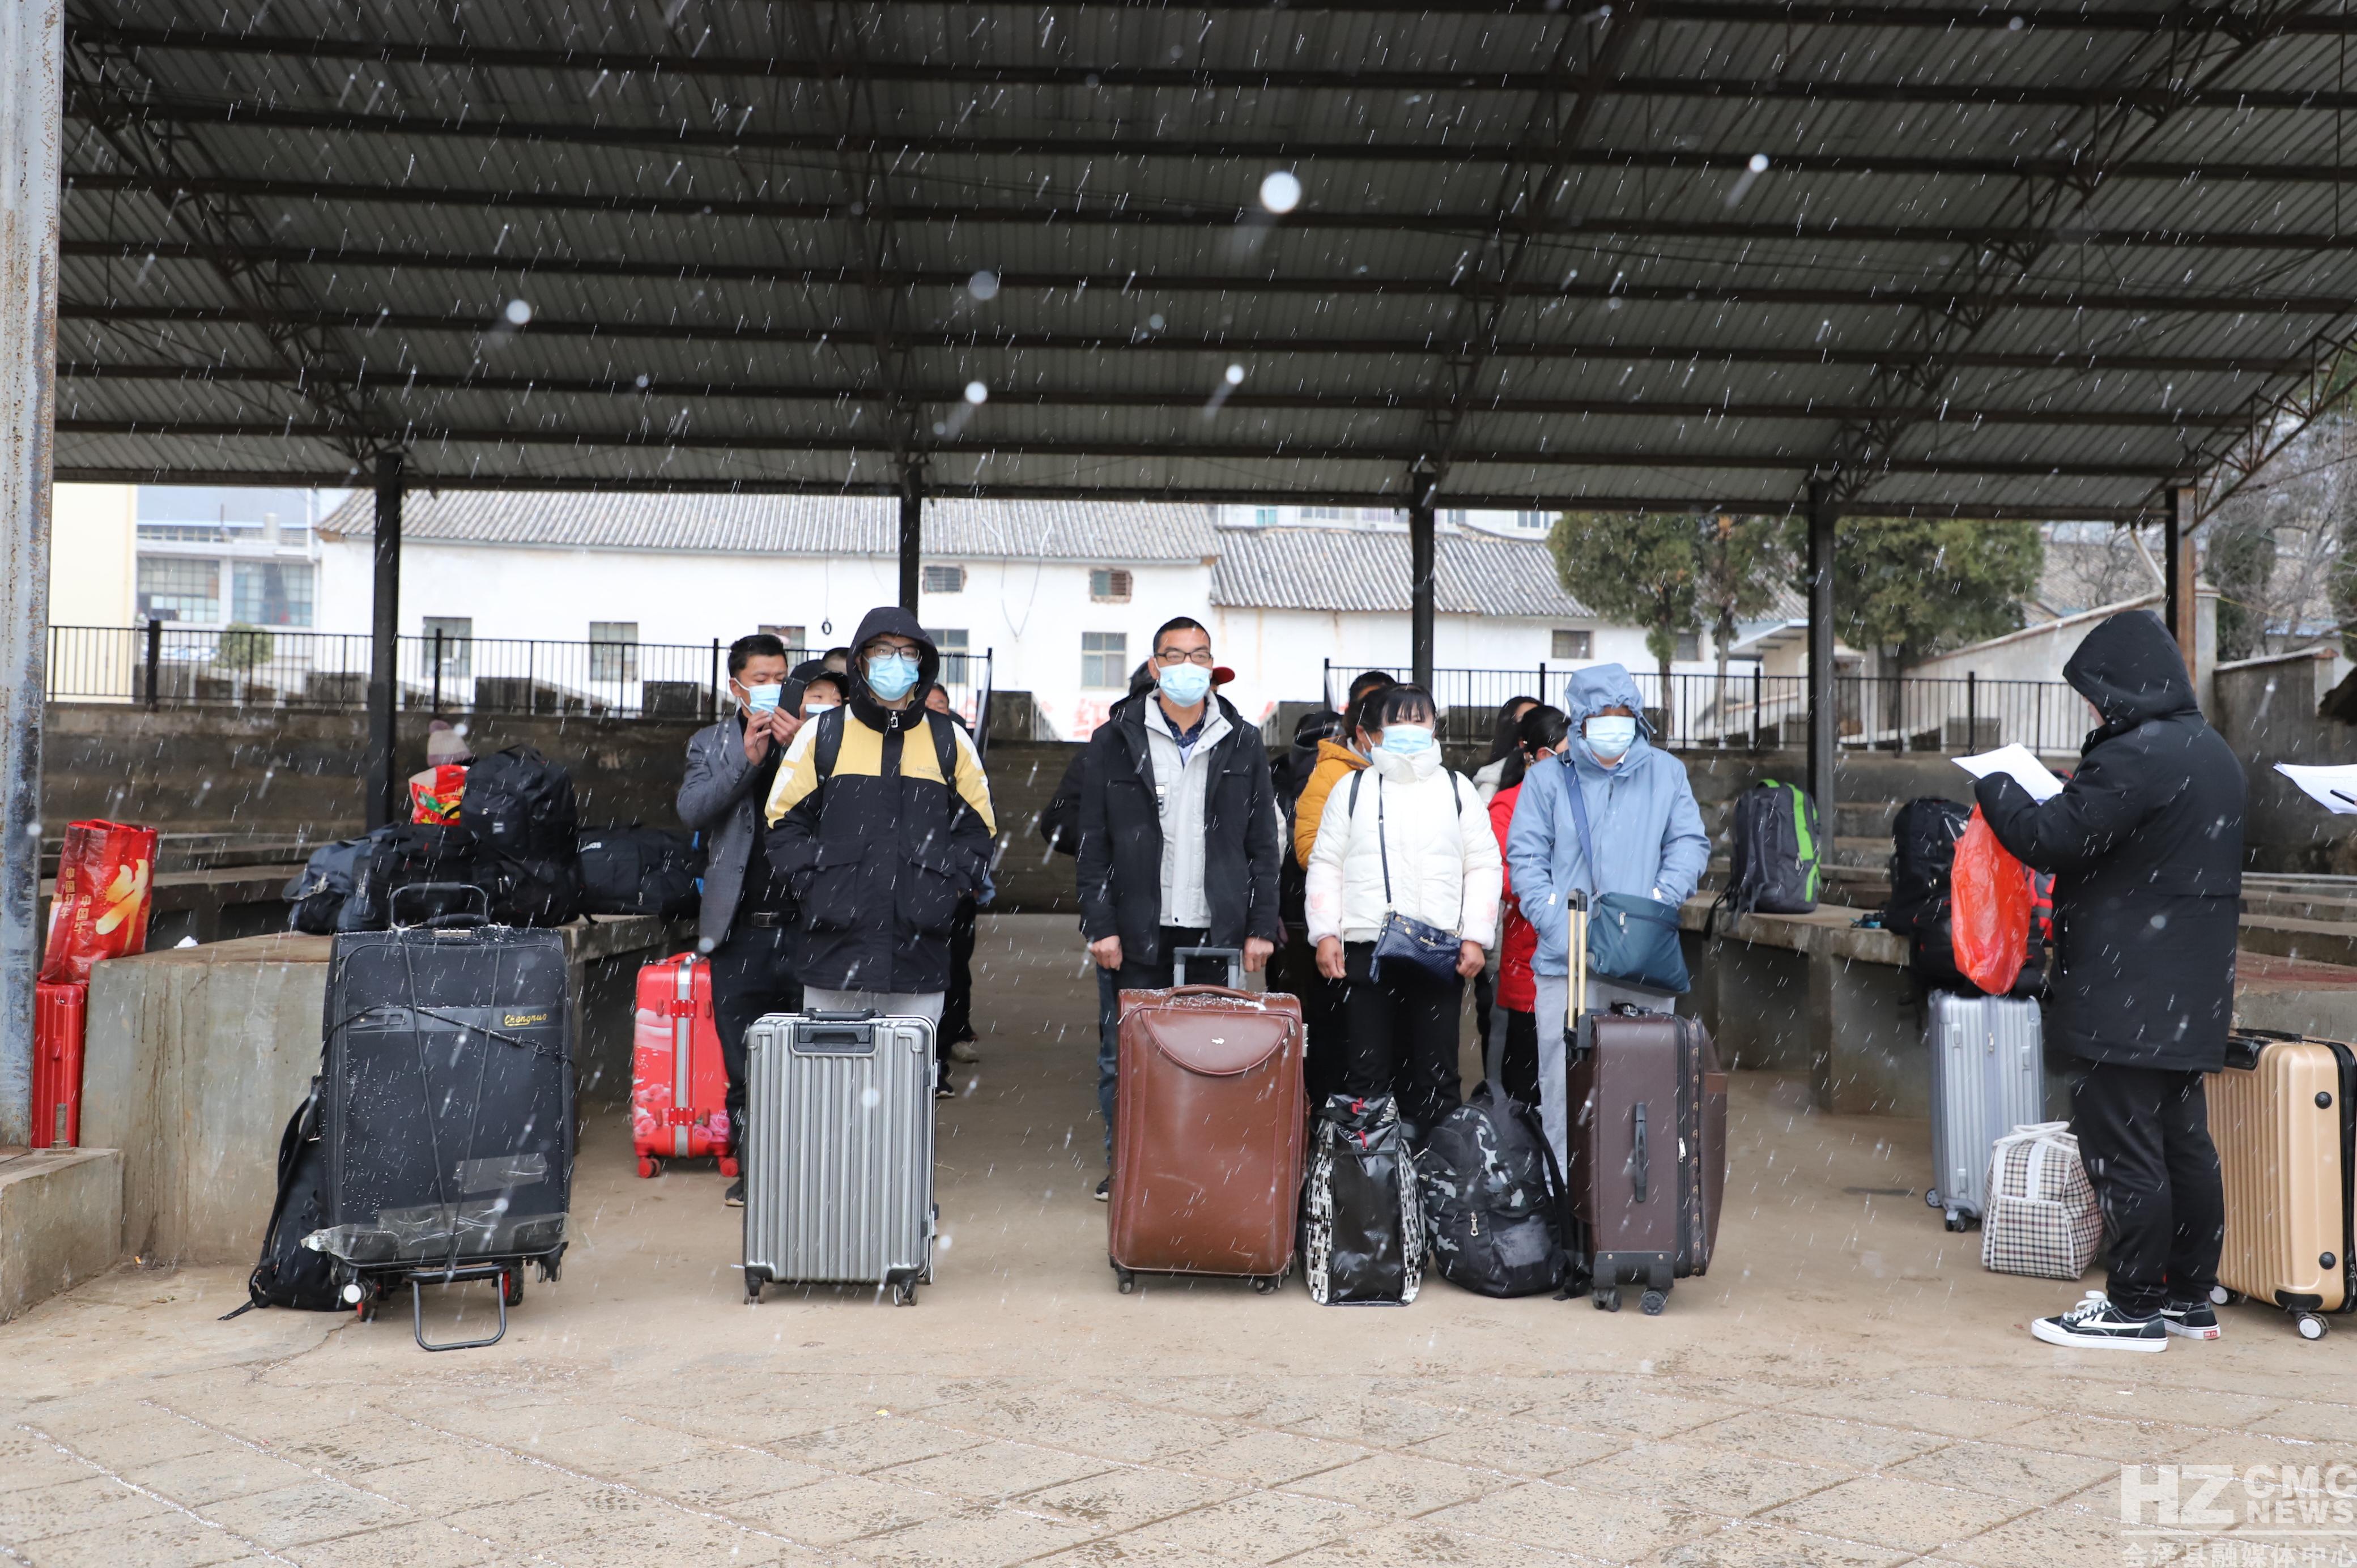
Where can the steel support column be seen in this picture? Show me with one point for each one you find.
(1825, 718)
(2177, 566)
(382, 778)
(32, 97)
(912, 539)
(1420, 550)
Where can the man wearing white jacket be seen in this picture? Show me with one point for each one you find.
(1406, 843)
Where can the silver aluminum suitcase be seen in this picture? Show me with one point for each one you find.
(1989, 1077)
(838, 1151)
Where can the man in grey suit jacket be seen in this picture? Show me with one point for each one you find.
(748, 911)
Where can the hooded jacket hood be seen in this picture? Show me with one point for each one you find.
(1594, 688)
(890, 620)
(2130, 669)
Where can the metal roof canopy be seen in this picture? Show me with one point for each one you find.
(2033, 261)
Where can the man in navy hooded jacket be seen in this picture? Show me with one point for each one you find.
(2146, 845)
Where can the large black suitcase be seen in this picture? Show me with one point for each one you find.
(446, 1108)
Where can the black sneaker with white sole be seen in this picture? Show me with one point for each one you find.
(2096, 1325)
(2193, 1320)
(734, 1196)
(1105, 1191)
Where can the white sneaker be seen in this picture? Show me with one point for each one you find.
(967, 1051)
(2096, 1325)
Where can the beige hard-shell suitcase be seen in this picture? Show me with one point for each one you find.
(2279, 1113)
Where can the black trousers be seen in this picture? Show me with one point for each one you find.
(957, 1003)
(751, 974)
(1517, 1064)
(2144, 1136)
(1401, 1034)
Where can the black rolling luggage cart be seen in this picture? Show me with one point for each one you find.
(446, 1110)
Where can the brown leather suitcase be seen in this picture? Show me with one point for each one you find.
(2281, 1115)
(1648, 1107)
(1209, 1131)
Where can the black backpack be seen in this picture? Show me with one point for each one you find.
(316, 897)
(639, 871)
(289, 1273)
(404, 855)
(1776, 866)
(1923, 837)
(1492, 1199)
(520, 807)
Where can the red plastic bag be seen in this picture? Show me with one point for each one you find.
(435, 794)
(105, 876)
(1989, 910)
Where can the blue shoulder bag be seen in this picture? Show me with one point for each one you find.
(1631, 938)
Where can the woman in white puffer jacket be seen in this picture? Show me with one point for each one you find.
(1407, 812)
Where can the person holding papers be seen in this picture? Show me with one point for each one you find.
(2146, 845)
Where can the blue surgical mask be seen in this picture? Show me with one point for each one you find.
(1407, 740)
(892, 676)
(1185, 684)
(1610, 735)
(761, 699)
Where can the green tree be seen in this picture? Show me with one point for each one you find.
(1739, 559)
(2242, 567)
(1910, 587)
(1639, 569)
(242, 647)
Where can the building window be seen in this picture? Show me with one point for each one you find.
(1265, 516)
(1105, 660)
(1571, 644)
(270, 593)
(950, 644)
(944, 580)
(1689, 645)
(1534, 520)
(796, 638)
(1109, 586)
(458, 644)
(1454, 517)
(614, 650)
(174, 588)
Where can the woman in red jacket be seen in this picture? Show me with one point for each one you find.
(1514, 1042)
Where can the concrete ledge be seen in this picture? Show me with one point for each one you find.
(60, 1222)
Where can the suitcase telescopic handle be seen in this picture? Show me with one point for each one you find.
(1232, 957)
(455, 920)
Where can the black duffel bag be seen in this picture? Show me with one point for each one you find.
(1492, 1199)
(316, 897)
(520, 806)
(640, 871)
(404, 855)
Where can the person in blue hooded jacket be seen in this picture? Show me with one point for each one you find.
(1649, 839)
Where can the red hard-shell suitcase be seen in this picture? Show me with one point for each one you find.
(1208, 1134)
(679, 1085)
(60, 1016)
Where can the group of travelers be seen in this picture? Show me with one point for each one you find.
(862, 893)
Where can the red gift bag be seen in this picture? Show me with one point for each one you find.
(1989, 909)
(105, 874)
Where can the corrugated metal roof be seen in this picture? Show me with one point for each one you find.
(2039, 258)
(1115, 534)
(1346, 569)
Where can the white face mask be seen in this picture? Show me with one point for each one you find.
(1610, 736)
(812, 710)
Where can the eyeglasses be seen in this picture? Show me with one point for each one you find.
(1171, 656)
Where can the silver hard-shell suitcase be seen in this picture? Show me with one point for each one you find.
(1989, 1077)
(838, 1152)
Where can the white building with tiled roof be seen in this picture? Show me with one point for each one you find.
(1064, 596)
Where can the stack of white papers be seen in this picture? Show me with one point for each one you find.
(2019, 763)
(2334, 789)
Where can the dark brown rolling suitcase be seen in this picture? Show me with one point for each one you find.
(1647, 1145)
(1208, 1131)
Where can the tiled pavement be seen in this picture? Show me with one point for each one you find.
(1847, 1388)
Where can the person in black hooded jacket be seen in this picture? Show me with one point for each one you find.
(2146, 845)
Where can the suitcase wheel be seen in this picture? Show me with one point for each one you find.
(1123, 1278)
(2311, 1326)
(2220, 1296)
(729, 1167)
(753, 1283)
(1607, 1298)
(1651, 1303)
(1265, 1284)
(1955, 1221)
(1931, 1196)
(512, 1285)
(649, 1166)
(905, 1294)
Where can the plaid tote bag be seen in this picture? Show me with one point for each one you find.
(2042, 1218)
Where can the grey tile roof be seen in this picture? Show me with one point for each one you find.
(1367, 570)
(1116, 533)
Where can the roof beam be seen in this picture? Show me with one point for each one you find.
(2072, 360)
(1110, 76)
(821, 140)
(2201, 46)
(1188, 401)
(114, 90)
(689, 440)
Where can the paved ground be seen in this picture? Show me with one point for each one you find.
(1848, 1387)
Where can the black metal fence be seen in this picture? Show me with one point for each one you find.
(1751, 710)
(161, 664)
